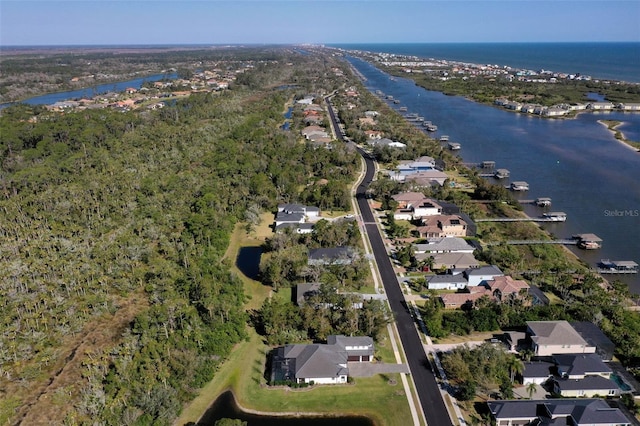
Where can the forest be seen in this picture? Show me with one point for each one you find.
(116, 301)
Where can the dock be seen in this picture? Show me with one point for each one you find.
(518, 186)
(547, 217)
(607, 266)
(540, 201)
(568, 242)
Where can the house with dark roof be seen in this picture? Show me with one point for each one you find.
(332, 256)
(579, 366)
(595, 337)
(537, 372)
(320, 363)
(589, 387)
(575, 412)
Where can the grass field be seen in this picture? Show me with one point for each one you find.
(380, 398)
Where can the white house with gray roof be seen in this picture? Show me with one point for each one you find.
(321, 363)
(444, 245)
(556, 337)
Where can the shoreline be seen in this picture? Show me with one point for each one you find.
(623, 140)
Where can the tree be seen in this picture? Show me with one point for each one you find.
(531, 389)
(515, 367)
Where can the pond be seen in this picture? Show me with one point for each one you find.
(248, 261)
(226, 407)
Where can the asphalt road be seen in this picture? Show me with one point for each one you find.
(424, 378)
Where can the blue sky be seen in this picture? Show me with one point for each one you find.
(86, 22)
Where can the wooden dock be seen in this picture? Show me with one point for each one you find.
(518, 219)
(567, 242)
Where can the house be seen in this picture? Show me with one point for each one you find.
(304, 291)
(446, 282)
(439, 226)
(453, 261)
(477, 276)
(332, 256)
(515, 340)
(504, 288)
(297, 227)
(460, 300)
(359, 348)
(588, 387)
(537, 372)
(426, 178)
(595, 337)
(288, 218)
(600, 106)
(309, 211)
(373, 134)
(556, 337)
(444, 245)
(579, 366)
(575, 412)
(320, 363)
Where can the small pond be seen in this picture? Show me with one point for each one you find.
(225, 407)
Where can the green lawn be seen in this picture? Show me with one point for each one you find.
(243, 373)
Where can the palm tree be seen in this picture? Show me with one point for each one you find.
(515, 367)
(531, 389)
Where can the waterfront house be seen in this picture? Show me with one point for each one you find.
(426, 178)
(579, 366)
(587, 387)
(320, 363)
(444, 245)
(575, 412)
(439, 226)
(556, 337)
(600, 106)
(627, 106)
(595, 337)
(478, 276)
(452, 261)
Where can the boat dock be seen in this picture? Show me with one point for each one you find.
(568, 242)
(547, 217)
(607, 266)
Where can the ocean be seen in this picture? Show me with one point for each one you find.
(614, 61)
(578, 163)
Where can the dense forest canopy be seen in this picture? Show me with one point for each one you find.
(117, 303)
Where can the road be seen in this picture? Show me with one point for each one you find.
(423, 376)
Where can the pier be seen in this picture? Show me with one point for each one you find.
(567, 242)
(549, 217)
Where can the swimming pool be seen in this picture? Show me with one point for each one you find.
(620, 382)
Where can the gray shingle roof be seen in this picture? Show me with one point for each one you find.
(581, 364)
(554, 333)
(587, 411)
(588, 383)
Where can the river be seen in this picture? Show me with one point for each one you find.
(577, 162)
(90, 92)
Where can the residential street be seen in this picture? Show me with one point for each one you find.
(423, 376)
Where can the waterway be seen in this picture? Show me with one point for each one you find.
(90, 92)
(576, 162)
(225, 407)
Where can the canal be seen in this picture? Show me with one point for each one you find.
(576, 162)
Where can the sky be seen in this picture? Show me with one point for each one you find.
(117, 22)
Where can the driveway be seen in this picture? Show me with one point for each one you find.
(368, 369)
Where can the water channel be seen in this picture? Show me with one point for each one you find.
(90, 92)
(576, 162)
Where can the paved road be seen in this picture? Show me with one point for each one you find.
(424, 379)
